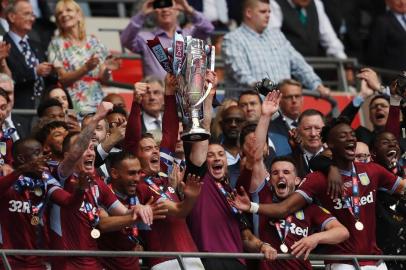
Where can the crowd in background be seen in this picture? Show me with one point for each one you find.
(89, 173)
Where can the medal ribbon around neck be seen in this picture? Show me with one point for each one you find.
(93, 218)
(354, 208)
(132, 231)
(154, 187)
(39, 187)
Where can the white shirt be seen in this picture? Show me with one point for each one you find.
(308, 156)
(231, 160)
(399, 17)
(215, 10)
(289, 121)
(5, 25)
(36, 9)
(149, 121)
(328, 38)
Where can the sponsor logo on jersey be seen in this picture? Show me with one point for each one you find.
(340, 204)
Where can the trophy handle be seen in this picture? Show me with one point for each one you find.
(210, 86)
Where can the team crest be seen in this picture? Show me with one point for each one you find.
(171, 190)
(364, 179)
(300, 215)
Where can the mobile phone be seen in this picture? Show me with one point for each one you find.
(162, 4)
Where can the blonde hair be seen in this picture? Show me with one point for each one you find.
(81, 26)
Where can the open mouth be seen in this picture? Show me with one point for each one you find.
(391, 154)
(217, 168)
(379, 116)
(155, 159)
(281, 185)
(350, 149)
(88, 164)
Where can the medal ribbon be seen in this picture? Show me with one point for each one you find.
(133, 231)
(93, 218)
(288, 220)
(241, 218)
(156, 189)
(355, 207)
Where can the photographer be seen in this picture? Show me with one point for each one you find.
(166, 19)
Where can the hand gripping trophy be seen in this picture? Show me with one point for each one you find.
(188, 59)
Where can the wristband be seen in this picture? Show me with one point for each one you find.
(254, 208)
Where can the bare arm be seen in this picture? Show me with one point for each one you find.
(114, 223)
(334, 233)
(67, 165)
(253, 244)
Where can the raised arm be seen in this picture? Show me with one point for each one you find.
(129, 37)
(67, 165)
(133, 131)
(269, 108)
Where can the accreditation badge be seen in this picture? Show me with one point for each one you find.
(364, 179)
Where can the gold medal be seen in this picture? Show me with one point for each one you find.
(359, 226)
(35, 220)
(284, 248)
(38, 191)
(95, 233)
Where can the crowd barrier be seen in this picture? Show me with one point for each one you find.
(180, 255)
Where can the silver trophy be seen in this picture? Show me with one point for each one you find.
(197, 57)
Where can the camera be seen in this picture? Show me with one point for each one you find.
(162, 4)
(265, 86)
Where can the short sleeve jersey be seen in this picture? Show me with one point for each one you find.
(70, 228)
(304, 222)
(15, 208)
(119, 241)
(169, 234)
(371, 177)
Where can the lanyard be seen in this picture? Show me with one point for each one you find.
(354, 208)
(94, 219)
(132, 231)
(152, 186)
(228, 198)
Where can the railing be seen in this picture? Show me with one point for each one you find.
(180, 255)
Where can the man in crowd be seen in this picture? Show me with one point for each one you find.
(290, 108)
(26, 60)
(310, 124)
(306, 25)
(167, 23)
(231, 124)
(253, 52)
(51, 137)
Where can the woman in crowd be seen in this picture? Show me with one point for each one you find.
(60, 94)
(82, 62)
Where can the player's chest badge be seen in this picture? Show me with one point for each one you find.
(364, 179)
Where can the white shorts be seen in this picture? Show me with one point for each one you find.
(189, 263)
(342, 266)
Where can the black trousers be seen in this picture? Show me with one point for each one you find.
(223, 264)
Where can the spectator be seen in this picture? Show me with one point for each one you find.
(250, 102)
(150, 93)
(27, 61)
(44, 27)
(20, 123)
(306, 25)
(81, 61)
(231, 125)
(362, 153)
(167, 23)
(6, 141)
(51, 109)
(253, 52)
(290, 108)
(215, 128)
(117, 100)
(60, 94)
(51, 137)
(310, 124)
(387, 40)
